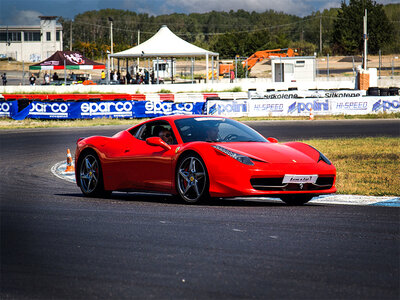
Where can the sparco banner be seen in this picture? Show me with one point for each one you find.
(90, 110)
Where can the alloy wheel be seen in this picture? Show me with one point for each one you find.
(191, 179)
(89, 174)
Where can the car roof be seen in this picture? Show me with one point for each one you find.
(178, 117)
(173, 118)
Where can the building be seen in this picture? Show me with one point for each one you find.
(31, 43)
(292, 69)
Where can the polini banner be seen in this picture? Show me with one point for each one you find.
(303, 107)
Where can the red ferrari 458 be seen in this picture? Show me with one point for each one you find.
(198, 157)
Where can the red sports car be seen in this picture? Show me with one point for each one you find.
(198, 157)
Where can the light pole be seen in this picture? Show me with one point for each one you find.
(111, 37)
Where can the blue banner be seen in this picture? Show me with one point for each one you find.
(101, 109)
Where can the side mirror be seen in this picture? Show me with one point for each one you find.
(272, 140)
(157, 141)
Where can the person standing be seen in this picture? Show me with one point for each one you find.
(32, 79)
(128, 78)
(232, 76)
(46, 78)
(103, 75)
(146, 76)
(4, 78)
(55, 76)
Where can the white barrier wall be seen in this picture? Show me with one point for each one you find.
(303, 107)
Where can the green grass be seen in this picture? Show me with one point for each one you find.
(365, 166)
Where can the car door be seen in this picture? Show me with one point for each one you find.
(148, 167)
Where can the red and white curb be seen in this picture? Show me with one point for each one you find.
(59, 171)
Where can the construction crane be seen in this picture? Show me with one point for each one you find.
(261, 55)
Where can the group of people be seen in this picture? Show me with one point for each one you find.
(141, 77)
(46, 78)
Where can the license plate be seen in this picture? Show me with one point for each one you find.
(300, 178)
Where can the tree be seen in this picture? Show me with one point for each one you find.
(348, 32)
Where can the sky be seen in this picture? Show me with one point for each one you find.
(26, 12)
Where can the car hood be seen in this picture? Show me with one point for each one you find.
(269, 152)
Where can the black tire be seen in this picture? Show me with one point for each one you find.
(191, 179)
(91, 176)
(296, 200)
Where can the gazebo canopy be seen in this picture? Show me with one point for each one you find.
(164, 44)
(73, 60)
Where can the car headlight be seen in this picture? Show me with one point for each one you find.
(323, 158)
(239, 157)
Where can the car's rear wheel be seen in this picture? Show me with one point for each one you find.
(192, 179)
(296, 200)
(90, 176)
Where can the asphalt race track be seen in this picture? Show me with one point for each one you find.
(56, 244)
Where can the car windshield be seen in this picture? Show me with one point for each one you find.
(208, 129)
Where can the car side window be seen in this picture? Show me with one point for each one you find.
(155, 129)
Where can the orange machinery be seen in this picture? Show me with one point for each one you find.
(226, 66)
(261, 55)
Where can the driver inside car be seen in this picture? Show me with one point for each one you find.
(166, 136)
(212, 134)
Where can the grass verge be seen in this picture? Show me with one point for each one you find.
(365, 166)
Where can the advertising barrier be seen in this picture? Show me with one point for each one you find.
(303, 107)
(21, 109)
(307, 94)
(90, 110)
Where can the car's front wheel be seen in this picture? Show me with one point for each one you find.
(296, 200)
(90, 176)
(192, 179)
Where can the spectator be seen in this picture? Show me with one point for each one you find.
(112, 75)
(152, 76)
(4, 78)
(103, 75)
(115, 76)
(55, 76)
(232, 76)
(128, 78)
(73, 76)
(32, 79)
(146, 76)
(46, 78)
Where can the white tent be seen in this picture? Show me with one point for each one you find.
(165, 44)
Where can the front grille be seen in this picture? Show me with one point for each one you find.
(275, 184)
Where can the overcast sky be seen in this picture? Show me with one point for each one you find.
(24, 12)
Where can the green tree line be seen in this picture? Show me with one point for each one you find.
(338, 30)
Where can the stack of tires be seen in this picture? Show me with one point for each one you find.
(375, 91)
